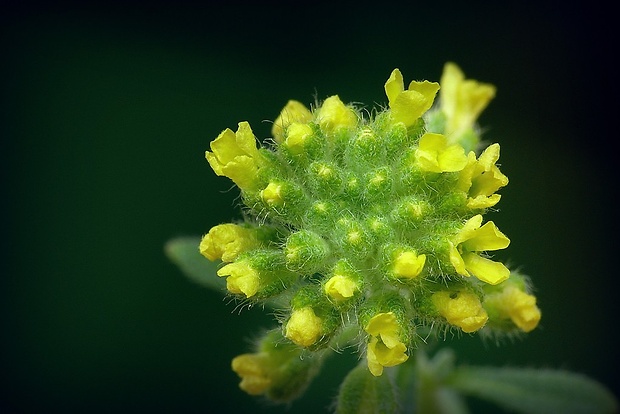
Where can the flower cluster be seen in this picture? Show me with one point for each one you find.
(371, 225)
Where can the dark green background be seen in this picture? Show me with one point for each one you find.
(107, 112)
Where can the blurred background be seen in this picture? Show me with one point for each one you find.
(107, 111)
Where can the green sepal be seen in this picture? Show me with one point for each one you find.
(363, 393)
(529, 390)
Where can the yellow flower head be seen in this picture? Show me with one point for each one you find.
(462, 309)
(435, 155)
(481, 178)
(471, 239)
(409, 105)
(304, 328)
(254, 372)
(462, 100)
(236, 156)
(517, 305)
(293, 112)
(227, 241)
(242, 278)
(385, 348)
(334, 115)
(408, 264)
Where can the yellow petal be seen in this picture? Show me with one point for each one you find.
(468, 230)
(462, 100)
(485, 269)
(389, 357)
(374, 366)
(434, 154)
(413, 103)
(487, 237)
(457, 261)
(394, 85)
(386, 326)
(483, 201)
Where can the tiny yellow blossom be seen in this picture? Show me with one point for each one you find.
(385, 348)
(517, 305)
(481, 178)
(293, 112)
(296, 137)
(334, 115)
(462, 309)
(471, 239)
(409, 105)
(462, 100)
(408, 264)
(227, 241)
(242, 278)
(380, 356)
(304, 328)
(254, 372)
(340, 287)
(435, 155)
(272, 194)
(236, 156)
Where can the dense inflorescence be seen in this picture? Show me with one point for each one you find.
(368, 227)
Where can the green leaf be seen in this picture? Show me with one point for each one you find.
(183, 251)
(363, 393)
(528, 390)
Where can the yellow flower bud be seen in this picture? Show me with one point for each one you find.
(408, 264)
(462, 309)
(293, 112)
(517, 305)
(435, 155)
(340, 287)
(409, 105)
(462, 100)
(227, 241)
(296, 137)
(334, 115)
(242, 278)
(272, 194)
(236, 156)
(254, 372)
(304, 328)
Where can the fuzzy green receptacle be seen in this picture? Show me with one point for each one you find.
(368, 223)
